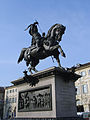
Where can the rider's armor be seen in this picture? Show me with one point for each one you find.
(35, 35)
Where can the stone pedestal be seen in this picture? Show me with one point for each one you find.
(52, 97)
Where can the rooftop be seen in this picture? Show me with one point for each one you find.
(82, 66)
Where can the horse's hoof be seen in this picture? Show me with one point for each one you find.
(29, 69)
(61, 68)
(36, 70)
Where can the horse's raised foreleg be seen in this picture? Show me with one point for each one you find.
(62, 52)
(58, 61)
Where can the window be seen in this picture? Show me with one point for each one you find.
(15, 90)
(12, 100)
(15, 99)
(85, 88)
(88, 72)
(7, 100)
(83, 73)
(89, 107)
(7, 91)
(10, 91)
(77, 90)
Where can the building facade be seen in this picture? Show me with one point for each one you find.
(1, 101)
(10, 101)
(83, 87)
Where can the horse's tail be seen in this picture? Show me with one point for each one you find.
(21, 55)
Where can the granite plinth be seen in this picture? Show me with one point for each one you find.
(58, 85)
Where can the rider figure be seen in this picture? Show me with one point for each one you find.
(36, 37)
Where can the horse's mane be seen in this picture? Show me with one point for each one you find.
(49, 31)
(54, 26)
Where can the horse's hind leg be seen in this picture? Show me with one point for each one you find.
(58, 61)
(34, 69)
(30, 70)
(21, 55)
(34, 63)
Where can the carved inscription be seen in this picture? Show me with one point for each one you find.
(35, 99)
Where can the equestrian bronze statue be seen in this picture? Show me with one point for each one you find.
(43, 46)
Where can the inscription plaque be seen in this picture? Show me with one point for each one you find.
(35, 99)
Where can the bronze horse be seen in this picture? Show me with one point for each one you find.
(49, 47)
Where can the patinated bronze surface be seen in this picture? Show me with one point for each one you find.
(30, 79)
(43, 46)
(35, 99)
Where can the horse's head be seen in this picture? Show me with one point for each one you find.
(56, 31)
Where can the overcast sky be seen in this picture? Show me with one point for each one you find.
(16, 15)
